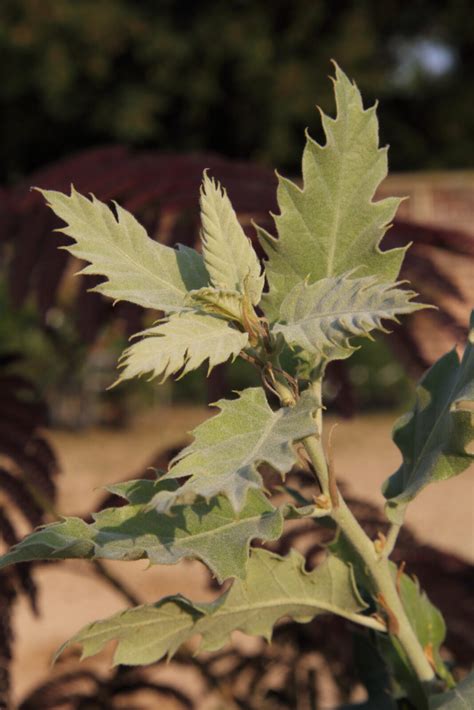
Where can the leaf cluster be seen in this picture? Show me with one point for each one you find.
(328, 281)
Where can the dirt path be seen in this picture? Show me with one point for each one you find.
(70, 594)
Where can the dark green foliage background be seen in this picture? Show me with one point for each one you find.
(238, 77)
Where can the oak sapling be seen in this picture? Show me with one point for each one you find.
(325, 282)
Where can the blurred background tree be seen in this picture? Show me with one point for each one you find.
(240, 78)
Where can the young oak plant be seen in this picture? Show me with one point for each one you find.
(328, 282)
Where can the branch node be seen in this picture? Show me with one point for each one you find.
(322, 501)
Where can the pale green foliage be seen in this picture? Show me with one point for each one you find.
(137, 268)
(227, 304)
(180, 344)
(275, 587)
(328, 282)
(228, 254)
(459, 698)
(227, 449)
(211, 532)
(328, 229)
(434, 437)
(320, 318)
(331, 225)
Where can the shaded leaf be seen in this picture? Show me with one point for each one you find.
(228, 448)
(434, 437)
(181, 344)
(459, 698)
(331, 225)
(211, 532)
(293, 512)
(321, 318)
(430, 629)
(228, 254)
(136, 268)
(425, 619)
(274, 587)
(372, 672)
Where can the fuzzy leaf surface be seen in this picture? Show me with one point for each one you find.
(320, 318)
(181, 344)
(137, 268)
(331, 225)
(459, 698)
(275, 587)
(228, 448)
(228, 254)
(434, 437)
(211, 532)
(225, 303)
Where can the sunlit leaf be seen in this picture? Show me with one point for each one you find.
(275, 587)
(137, 268)
(228, 448)
(181, 344)
(320, 318)
(228, 254)
(211, 532)
(332, 225)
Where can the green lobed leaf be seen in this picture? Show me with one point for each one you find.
(434, 437)
(228, 254)
(211, 532)
(181, 344)
(430, 629)
(459, 698)
(320, 318)
(425, 619)
(331, 225)
(137, 268)
(228, 448)
(275, 587)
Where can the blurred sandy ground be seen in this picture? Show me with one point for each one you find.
(71, 596)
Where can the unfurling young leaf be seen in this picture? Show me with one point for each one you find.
(331, 225)
(434, 437)
(228, 254)
(181, 344)
(321, 318)
(211, 532)
(227, 304)
(136, 268)
(274, 587)
(228, 448)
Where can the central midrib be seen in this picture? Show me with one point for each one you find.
(140, 266)
(206, 533)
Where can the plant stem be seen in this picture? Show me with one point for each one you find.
(377, 566)
(392, 536)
